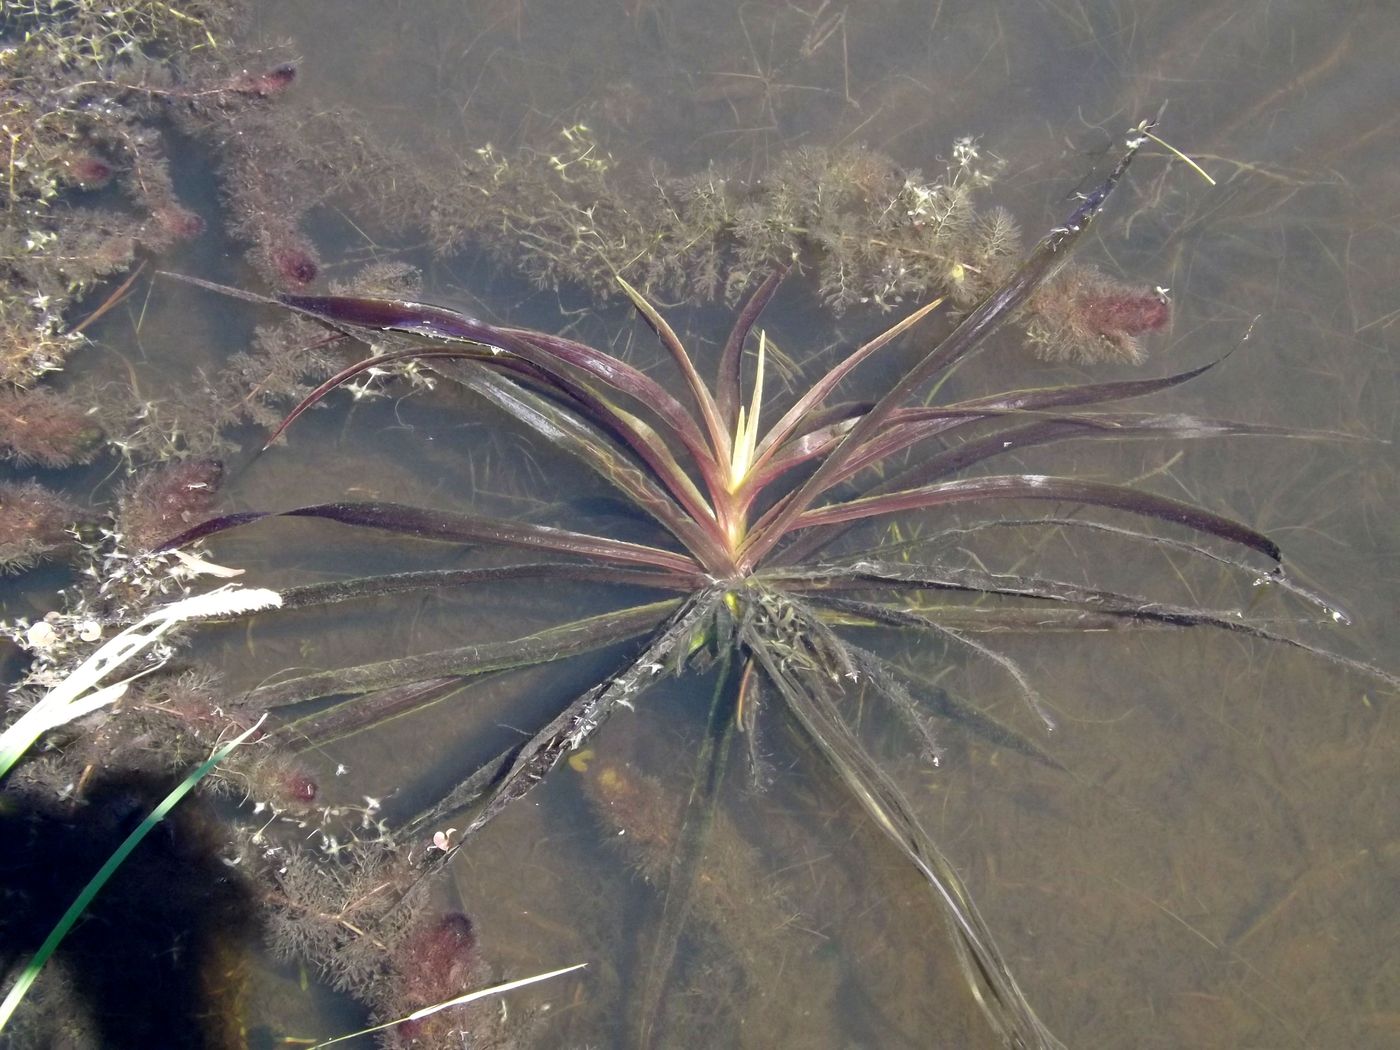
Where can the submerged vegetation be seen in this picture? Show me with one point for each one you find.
(751, 511)
(748, 498)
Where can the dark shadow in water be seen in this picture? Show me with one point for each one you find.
(159, 958)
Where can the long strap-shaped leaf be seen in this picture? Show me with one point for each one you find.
(727, 383)
(626, 379)
(362, 587)
(890, 683)
(632, 431)
(366, 711)
(983, 965)
(625, 428)
(698, 535)
(692, 839)
(1028, 691)
(946, 420)
(721, 443)
(474, 365)
(1047, 258)
(973, 619)
(910, 426)
(513, 773)
(794, 417)
(553, 643)
(816, 581)
(1159, 613)
(1273, 578)
(445, 526)
(552, 356)
(1110, 425)
(469, 528)
(349, 372)
(974, 410)
(541, 350)
(1044, 487)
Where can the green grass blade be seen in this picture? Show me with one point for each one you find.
(31, 970)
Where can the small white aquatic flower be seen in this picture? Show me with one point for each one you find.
(443, 839)
(40, 635)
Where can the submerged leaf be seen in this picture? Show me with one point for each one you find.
(747, 589)
(450, 527)
(983, 964)
(813, 581)
(512, 774)
(1043, 487)
(554, 643)
(314, 594)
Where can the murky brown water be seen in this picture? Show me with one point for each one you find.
(1220, 864)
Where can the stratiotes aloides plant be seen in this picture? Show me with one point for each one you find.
(750, 587)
